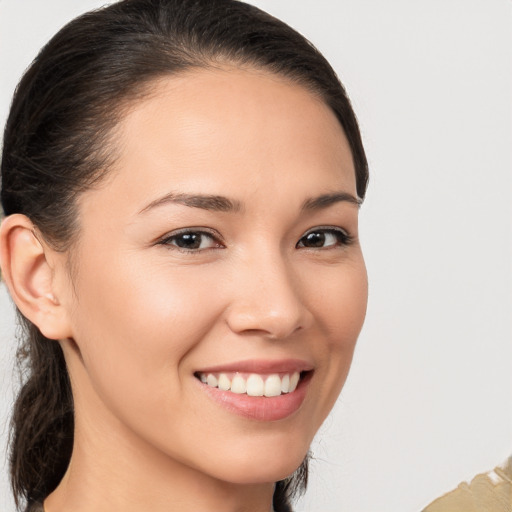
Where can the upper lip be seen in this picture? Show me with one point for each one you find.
(261, 366)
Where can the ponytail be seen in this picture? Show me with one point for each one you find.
(42, 422)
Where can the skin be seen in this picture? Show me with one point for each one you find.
(138, 317)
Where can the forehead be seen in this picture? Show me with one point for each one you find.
(215, 128)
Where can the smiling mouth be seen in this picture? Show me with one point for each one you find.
(253, 384)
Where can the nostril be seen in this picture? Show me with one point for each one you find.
(268, 324)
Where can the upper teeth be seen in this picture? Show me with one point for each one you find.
(252, 384)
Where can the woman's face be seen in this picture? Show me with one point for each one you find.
(223, 248)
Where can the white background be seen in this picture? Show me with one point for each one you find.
(428, 402)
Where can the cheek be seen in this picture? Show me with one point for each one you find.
(143, 304)
(134, 326)
(340, 303)
(341, 308)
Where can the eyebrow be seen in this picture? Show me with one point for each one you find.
(204, 201)
(223, 204)
(326, 200)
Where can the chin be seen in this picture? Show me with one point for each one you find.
(255, 470)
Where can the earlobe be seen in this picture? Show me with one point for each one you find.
(28, 270)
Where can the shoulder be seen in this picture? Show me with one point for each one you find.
(491, 491)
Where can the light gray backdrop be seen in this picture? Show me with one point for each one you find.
(428, 402)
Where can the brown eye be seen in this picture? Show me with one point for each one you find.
(191, 241)
(322, 238)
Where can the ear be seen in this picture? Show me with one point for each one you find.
(28, 267)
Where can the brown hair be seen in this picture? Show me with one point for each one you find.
(56, 144)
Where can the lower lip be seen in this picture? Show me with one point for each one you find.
(260, 408)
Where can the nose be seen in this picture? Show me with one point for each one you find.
(267, 299)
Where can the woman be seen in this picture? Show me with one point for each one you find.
(181, 183)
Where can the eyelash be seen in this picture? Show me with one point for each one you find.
(343, 239)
